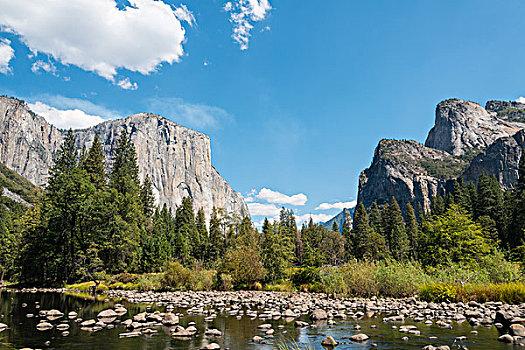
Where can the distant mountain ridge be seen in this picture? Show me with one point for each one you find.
(340, 219)
(466, 141)
(177, 159)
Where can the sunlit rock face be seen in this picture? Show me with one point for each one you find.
(177, 159)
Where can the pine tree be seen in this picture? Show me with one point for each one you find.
(335, 228)
(289, 235)
(216, 241)
(147, 199)
(515, 236)
(66, 198)
(94, 164)
(125, 172)
(199, 251)
(420, 212)
(375, 218)
(119, 251)
(66, 159)
(312, 236)
(396, 232)
(186, 234)
(362, 232)
(9, 241)
(438, 205)
(412, 229)
(449, 200)
(490, 204)
(461, 194)
(275, 256)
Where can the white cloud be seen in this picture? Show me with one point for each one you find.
(338, 205)
(189, 114)
(261, 209)
(63, 102)
(44, 66)
(250, 197)
(276, 197)
(97, 36)
(185, 15)
(65, 119)
(243, 13)
(127, 85)
(315, 217)
(6, 54)
(520, 99)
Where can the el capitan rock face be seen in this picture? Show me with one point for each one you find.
(466, 140)
(177, 159)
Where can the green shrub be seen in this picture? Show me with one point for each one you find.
(359, 278)
(280, 286)
(224, 282)
(148, 282)
(305, 275)
(175, 276)
(333, 281)
(512, 293)
(200, 279)
(86, 286)
(244, 265)
(438, 292)
(498, 270)
(396, 279)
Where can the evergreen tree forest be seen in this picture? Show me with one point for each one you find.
(92, 219)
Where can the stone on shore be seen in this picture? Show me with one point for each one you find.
(361, 337)
(319, 314)
(329, 341)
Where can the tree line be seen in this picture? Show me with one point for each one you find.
(89, 221)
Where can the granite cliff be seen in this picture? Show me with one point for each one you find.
(466, 141)
(177, 159)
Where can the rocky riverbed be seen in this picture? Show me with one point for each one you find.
(208, 320)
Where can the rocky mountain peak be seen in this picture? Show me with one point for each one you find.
(462, 126)
(466, 141)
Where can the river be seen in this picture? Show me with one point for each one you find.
(236, 333)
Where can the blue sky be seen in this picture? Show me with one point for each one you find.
(295, 103)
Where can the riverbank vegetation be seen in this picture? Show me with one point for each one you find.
(94, 225)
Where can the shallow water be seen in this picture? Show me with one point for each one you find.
(237, 334)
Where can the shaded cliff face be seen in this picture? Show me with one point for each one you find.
(501, 159)
(177, 159)
(461, 126)
(408, 171)
(466, 140)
